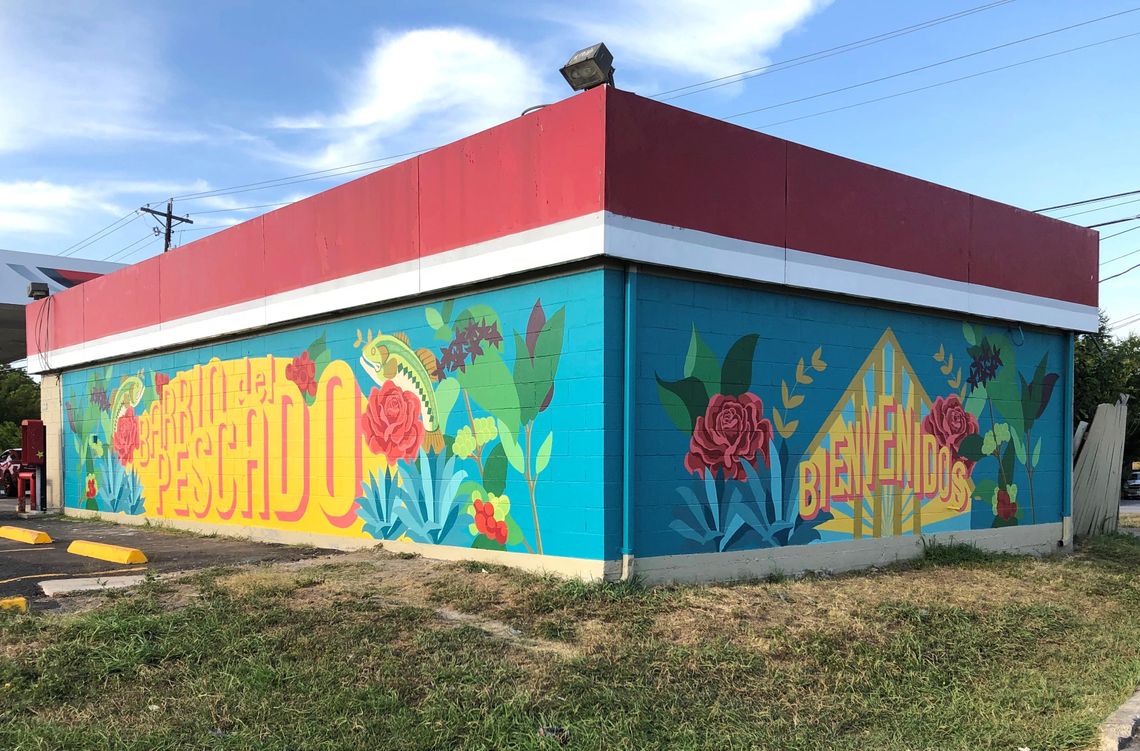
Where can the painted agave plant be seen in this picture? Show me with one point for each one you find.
(427, 498)
(378, 506)
(119, 490)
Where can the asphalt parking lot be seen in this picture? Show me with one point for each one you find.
(23, 566)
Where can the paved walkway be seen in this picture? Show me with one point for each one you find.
(23, 566)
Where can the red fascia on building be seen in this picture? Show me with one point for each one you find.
(604, 173)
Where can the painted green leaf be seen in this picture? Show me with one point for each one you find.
(702, 363)
(446, 393)
(514, 533)
(1007, 462)
(969, 333)
(976, 401)
(984, 490)
(736, 374)
(534, 376)
(1037, 452)
(971, 448)
(684, 401)
(434, 318)
(490, 385)
(543, 457)
(989, 443)
(495, 470)
(1018, 446)
(482, 542)
(511, 448)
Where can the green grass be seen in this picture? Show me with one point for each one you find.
(961, 650)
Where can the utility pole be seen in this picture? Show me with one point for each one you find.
(168, 215)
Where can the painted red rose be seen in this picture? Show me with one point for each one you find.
(392, 424)
(949, 422)
(160, 381)
(92, 489)
(732, 430)
(302, 371)
(126, 438)
(1005, 507)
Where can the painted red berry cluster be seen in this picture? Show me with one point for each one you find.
(486, 523)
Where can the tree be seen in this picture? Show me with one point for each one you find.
(19, 400)
(1105, 367)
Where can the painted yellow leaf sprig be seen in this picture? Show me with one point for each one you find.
(789, 399)
(947, 368)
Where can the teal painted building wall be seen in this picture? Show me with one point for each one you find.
(495, 422)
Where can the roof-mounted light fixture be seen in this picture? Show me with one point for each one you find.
(38, 290)
(590, 67)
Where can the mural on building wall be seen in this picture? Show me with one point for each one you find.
(887, 459)
(357, 431)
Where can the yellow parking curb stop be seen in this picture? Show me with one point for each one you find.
(105, 552)
(30, 536)
(14, 603)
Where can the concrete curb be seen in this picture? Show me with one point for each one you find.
(58, 587)
(1117, 730)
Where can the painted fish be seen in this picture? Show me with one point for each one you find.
(390, 357)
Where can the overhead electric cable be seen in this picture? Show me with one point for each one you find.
(946, 83)
(1121, 232)
(95, 237)
(290, 179)
(930, 65)
(120, 251)
(811, 57)
(1122, 255)
(1099, 208)
(1089, 200)
(1114, 221)
(241, 208)
(1122, 273)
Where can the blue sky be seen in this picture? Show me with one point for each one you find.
(106, 106)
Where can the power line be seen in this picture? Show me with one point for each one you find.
(1122, 255)
(124, 249)
(242, 208)
(1128, 321)
(1088, 200)
(1114, 221)
(291, 179)
(110, 229)
(930, 65)
(946, 83)
(1122, 273)
(1099, 208)
(812, 57)
(1121, 232)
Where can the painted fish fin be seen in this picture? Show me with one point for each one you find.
(433, 442)
(403, 338)
(427, 357)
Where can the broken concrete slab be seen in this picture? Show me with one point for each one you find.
(57, 587)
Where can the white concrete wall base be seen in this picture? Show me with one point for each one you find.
(834, 557)
(575, 568)
(1037, 539)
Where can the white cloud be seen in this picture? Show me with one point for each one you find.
(40, 207)
(439, 83)
(693, 39)
(72, 71)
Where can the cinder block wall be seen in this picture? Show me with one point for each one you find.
(51, 412)
(779, 431)
(474, 426)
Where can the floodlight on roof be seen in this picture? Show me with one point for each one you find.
(590, 67)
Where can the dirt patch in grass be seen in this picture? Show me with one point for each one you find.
(959, 651)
